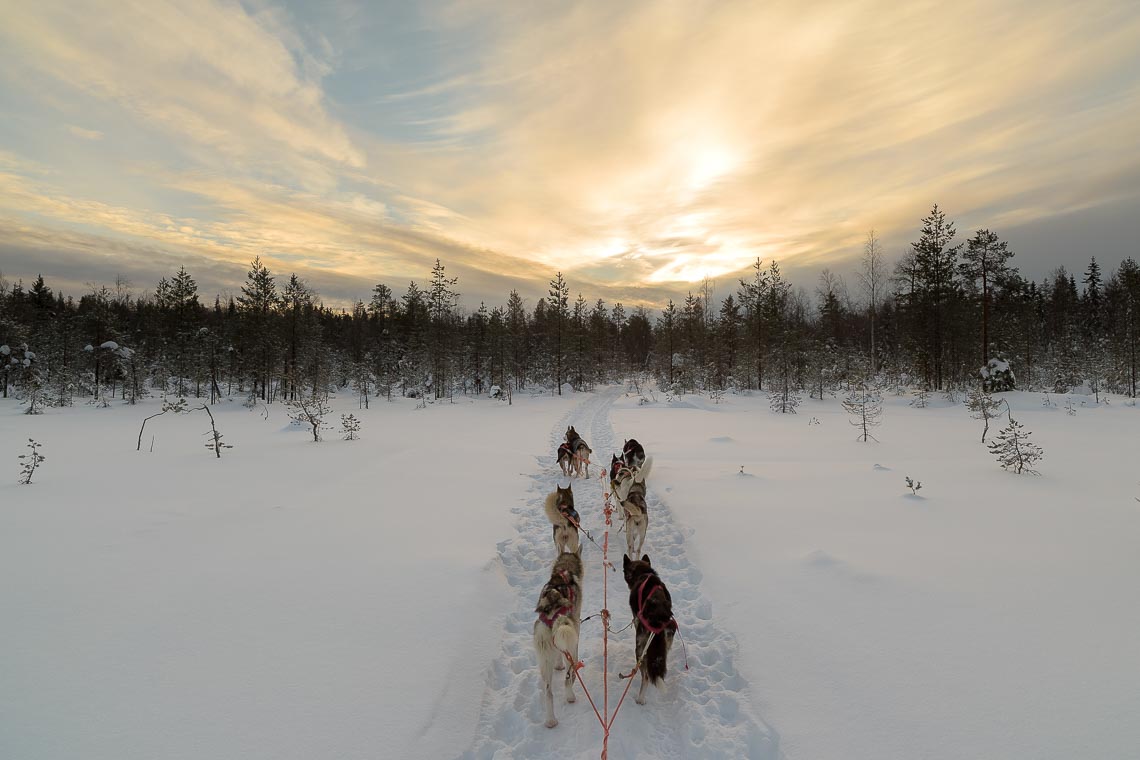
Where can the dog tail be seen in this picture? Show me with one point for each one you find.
(657, 658)
(642, 472)
(550, 506)
(566, 635)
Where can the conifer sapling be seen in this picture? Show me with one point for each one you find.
(30, 462)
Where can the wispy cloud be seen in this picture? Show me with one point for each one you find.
(629, 144)
(85, 134)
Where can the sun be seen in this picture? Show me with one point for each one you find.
(708, 164)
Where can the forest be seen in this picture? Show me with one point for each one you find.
(941, 318)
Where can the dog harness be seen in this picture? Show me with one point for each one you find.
(549, 621)
(670, 624)
(570, 514)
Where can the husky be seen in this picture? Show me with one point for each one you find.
(652, 609)
(633, 453)
(576, 458)
(636, 513)
(565, 459)
(582, 454)
(556, 630)
(559, 508)
(623, 477)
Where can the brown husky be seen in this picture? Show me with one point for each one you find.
(559, 508)
(556, 630)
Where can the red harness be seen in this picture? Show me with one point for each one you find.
(549, 621)
(670, 624)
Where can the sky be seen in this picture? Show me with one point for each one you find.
(638, 147)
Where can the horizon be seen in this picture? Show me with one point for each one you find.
(636, 149)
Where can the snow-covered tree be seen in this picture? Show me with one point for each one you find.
(310, 411)
(997, 376)
(349, 427)
(866, 409)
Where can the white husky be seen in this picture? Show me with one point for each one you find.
(556, 630)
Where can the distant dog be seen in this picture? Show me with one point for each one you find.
(573, 455)
(556, 630)
(565, 458)
(579, 454)
(636, 513)
(582, 454)
(652, 609)
(633, 453)
(559, 508)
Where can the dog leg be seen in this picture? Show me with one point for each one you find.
(640, 698)
(570, 678)
(547, 669)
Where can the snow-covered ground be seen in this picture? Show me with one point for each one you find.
(374, 598)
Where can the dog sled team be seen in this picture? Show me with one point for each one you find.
(556, 632)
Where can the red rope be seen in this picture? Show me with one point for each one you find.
(605, 718)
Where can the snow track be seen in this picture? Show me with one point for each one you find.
(703, 712)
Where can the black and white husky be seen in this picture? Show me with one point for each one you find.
(565, 458)
(652, 609)
(559, 508)
(633, 453)
(556, 630)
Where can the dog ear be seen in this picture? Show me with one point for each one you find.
(625, 561)
(645, 559)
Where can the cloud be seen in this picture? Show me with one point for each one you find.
(208, 74)
(708, 133)
(85, 134)
(638, 147)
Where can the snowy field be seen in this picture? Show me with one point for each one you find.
(374, 598)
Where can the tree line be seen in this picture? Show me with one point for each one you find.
(933, 320)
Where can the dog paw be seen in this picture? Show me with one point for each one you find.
(560, 666)
(551, 723)
(639, 700)
(571, 698)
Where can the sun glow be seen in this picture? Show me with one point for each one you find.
(708, 164)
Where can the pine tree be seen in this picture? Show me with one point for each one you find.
(1013, 449)
(517, 338)
(986, 262)
(666, 342)
(930, 271)
(560, 311)
(872, 275)
(30, 462)
(256, 304)
(753, 295)
(350, 427)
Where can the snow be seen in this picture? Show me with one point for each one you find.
(5, 350)
(110, 345)
(374, 598)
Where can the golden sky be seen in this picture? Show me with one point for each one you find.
(638, 147)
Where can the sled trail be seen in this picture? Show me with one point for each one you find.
(704, 711)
